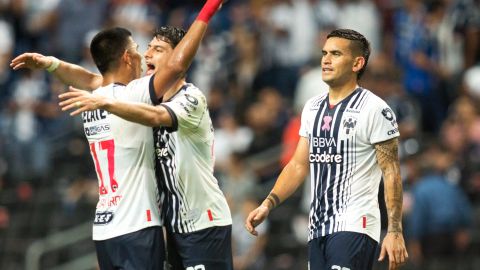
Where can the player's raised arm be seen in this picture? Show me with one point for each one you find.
(183, 54)
(67, 73)
(290, 178)
(393, 243)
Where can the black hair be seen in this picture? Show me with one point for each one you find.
(359, 44)
(108, 46)
(171, 35)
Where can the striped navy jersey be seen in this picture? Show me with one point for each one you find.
(184, 152)
(124, 160)
(344, 172)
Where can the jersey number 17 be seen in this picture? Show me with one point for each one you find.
(109, 146)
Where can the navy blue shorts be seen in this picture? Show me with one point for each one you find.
(207, 249)
(144, 249)
(342, 251)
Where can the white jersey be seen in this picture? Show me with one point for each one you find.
(193, 200)
(344, 172)
(124, 159)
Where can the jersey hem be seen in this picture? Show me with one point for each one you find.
(375, 238)
(101, 238)
(210, 225)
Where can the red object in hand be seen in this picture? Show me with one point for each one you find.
(208, 10)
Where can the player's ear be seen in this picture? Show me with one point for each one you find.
(358, 63)
(127, 58)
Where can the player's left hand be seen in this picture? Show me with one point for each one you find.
(394, 245)
(80, 100)
(31, 61)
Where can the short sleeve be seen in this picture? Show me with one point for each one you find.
(382, 123)
(139, 91)
(303, 131)
(187, 110)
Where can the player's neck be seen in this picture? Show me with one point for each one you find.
(174, 89)
(339, 92)
(109, 78)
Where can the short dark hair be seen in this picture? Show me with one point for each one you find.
(108, 46)
(359, 44)
(171, 35)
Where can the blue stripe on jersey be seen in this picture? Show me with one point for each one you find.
(315, 168)
(164, 171)
(332, 165)
(153, 95)
(174, 192)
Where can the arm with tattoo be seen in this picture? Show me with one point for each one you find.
(387, 156)
(393, 244)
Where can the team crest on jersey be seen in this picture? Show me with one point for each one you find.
(349, 124)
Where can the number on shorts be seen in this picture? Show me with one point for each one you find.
(196, 267)
(336, 267)
(108, 145)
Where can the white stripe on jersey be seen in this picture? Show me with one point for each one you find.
(343, 168)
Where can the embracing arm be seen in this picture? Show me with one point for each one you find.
(290, 178)
(141, 113)
(393, 244)
(67, 73)
(148, 115)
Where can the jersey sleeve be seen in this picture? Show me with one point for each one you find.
(187, 110)
(382, 123)
(303, 131)
(141, 90)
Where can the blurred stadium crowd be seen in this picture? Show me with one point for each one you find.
(258, 65)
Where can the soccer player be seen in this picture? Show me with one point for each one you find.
(127, 228)
(348, 138)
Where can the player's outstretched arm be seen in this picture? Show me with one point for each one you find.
(393, 244)
(290, 178)
(67, 73)
(148, 115)
(185, 51)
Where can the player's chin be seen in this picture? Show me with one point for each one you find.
(149, 72)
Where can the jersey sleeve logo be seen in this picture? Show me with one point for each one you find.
(388, 114)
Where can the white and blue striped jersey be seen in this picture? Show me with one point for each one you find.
(344, 172)
(193, 200)
(124, 160)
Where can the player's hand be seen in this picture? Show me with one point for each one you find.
(31, 61)
(80, 100)
(256, 217)
(394, 245)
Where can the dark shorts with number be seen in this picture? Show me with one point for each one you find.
(207, 249)
(144, 249)
(342, 251)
